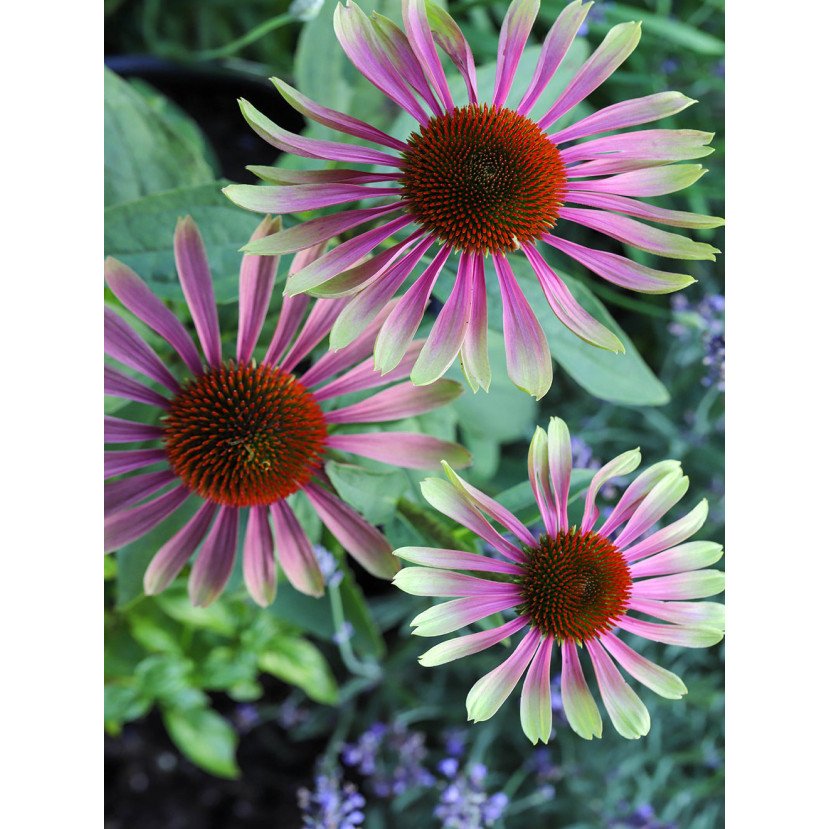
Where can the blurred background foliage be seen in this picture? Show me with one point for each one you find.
(218, 717)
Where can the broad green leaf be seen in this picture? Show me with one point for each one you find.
(217, 617)
(140, 234)
(298, 662)
(371, 492)
(205, 738)
(123, 703)
(145, 149)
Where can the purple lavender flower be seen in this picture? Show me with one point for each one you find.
(464, 803)
(703, 322)
(333, 804)
(331, 573)
(642, 817)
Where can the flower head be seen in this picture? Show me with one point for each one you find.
(572, 587)
(494, 176)
(240, 436)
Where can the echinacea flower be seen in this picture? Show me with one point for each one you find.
(484, 178)
(571, 587)
(242, 435)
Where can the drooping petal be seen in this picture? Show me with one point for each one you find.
(692, 614)
(686, 636)
(641, 210)
(136, 296)
(474, 353)
(529, 364)
(699, 584)
(682, 559)
(118, 430)
(318, 230)
(358, 537)
(513, 37)
(561, 465)
(256, 278)
(450, 38)
(365, 306)
(122, 527)
(538, 468)
(567, 309)
(289, 142)
(639, 235)
(450, 616)
(122, 493)
(336, 120)
(128, 460)
(197, 287)
(625, 114)
(287, 198)
(656, 503)
(556, 45)
(257, 557)
(490, 692)
(410, 450)
(647, 182)
(119, 385)
(357, 38)
(446, 499)
(490, 507)
(456, 560)
(296, 556)
(655, 677)
(471, 643)
(620, 465)
(214, 562)
(536, 709)
(579, 706)
(668, 536)
(423, 44)
(619, 42)
(397, 402)
(337, 259)
(398, 331)
(622, 271)
(428, 581)
(447, 334)
(169, 560)
(627, 712)
(123, 344)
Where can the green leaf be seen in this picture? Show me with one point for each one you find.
(217, 617)
(153, 629)
(205, 738)
(164, 677)
(371, 492)
(140, 234)
(658, 27)
(298, 662)
(123, 703)
(145, 149)
(227, 667)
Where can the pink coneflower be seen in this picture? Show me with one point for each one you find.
(243, 435)
(573, 586)
(483, 179)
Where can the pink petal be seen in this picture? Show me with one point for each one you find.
(513, 37)
(644, 145)
(529, 364)
(536, 709)
(169, 560)
(658, 501)
(456, 560)
(691, 614)
(692, 556)
(256, 278)
(650, 181)
(685, 636)
(122, 493)
(197, 286)
(674, 533)
(123, 344)
(214, 562)
(620, 465)
(556, 45)
(318, 324)
(357, 536)
(450, 38)
(119, 385)
(561, 465)
(121, 461)
(579, 706)
(538, 470)
(637, 491)
(281, 175)
(423, 45)
(397, 333)
(118, 430)
(290, 316)
(336, 120)
(474, 353)
(296, 198)
(136, 296)
(257, 557)
(462, 646)
(122, 527)
(296, 556)
(450, 616)
(699, 584)
(403, 400)
(410, 450)
(425, 581)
